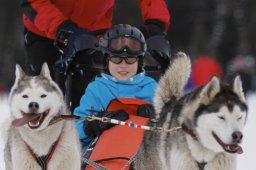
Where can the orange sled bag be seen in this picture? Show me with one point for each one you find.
(119, 141)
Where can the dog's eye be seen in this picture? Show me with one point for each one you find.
(43, 95)
(239, 118)
(221, 117)
(25, 96)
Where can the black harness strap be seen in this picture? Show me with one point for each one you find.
(109, 159)
(42, 162)
(201, 165)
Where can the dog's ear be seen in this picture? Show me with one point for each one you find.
(19, 73)
(210, 90)
(45, 72)
(237, 87)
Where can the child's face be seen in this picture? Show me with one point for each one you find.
(122, 71)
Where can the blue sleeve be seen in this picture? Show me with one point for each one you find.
(89, 101)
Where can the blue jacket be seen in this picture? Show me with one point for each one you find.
(100, 92)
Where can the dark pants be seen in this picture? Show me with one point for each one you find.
(82, 71)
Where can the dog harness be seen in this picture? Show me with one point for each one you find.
(200, 165)
(45, 159)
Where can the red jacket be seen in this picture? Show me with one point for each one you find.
(43, 17)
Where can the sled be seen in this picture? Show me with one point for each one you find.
(87, 66)
(119, 144)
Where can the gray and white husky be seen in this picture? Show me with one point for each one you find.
(212, 118)
(35, 139)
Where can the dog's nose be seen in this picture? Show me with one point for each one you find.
(33, 106)
(237, 136)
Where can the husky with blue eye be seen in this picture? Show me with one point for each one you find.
(35, 139)
(211, 118)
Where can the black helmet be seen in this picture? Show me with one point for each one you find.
(123, 40)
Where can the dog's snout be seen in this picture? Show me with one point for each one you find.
(33, 106)
(237, 136)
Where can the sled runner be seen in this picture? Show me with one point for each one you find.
(116, 147)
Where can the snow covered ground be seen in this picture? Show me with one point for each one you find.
(246, 161)
(4, 112)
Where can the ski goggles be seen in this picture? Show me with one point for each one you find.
(125, 44)
(119, 59)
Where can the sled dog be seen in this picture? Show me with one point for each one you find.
(211, 118)
(36, 140)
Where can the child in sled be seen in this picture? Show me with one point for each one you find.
(124, 48)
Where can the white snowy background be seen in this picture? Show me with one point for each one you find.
(246, 161)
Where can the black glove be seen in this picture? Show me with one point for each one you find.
(95, 128)
(75, 39)
(152, 27)
(146, 110)
(159, 48)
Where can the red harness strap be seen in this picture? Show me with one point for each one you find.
(44, 160)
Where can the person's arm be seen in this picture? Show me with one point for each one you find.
(155, 12)
(44, 15)
(156, 17)
(88, 101)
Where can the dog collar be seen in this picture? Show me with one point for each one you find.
(63, 117)
(188, 131)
